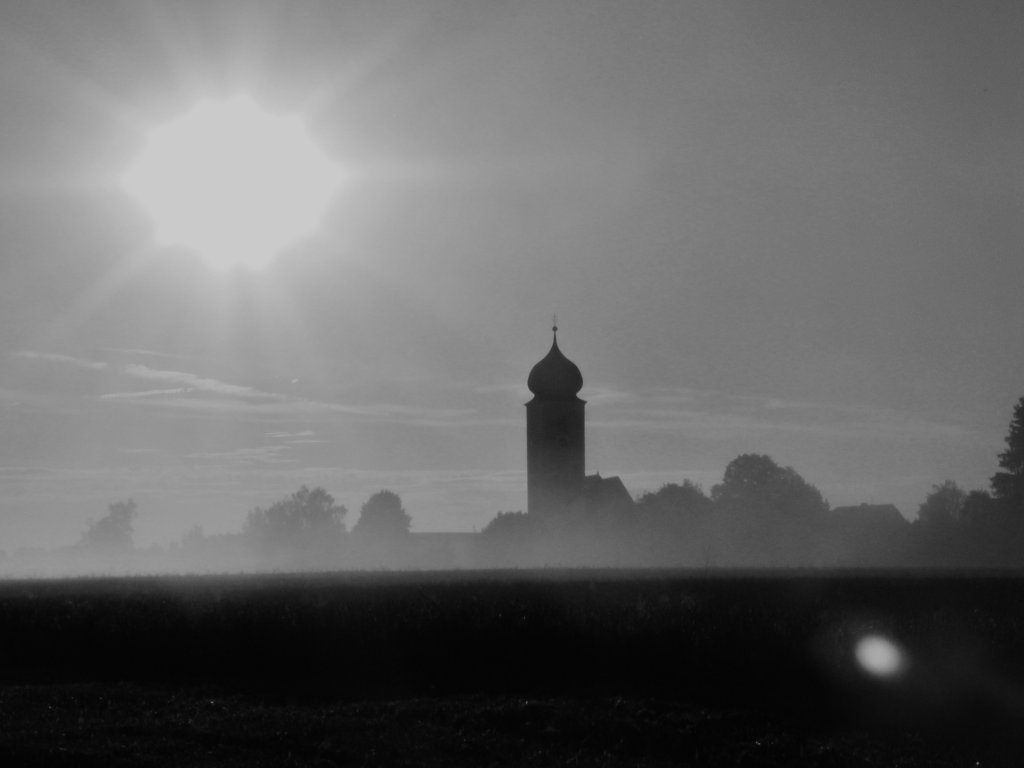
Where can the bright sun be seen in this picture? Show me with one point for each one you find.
(232, 181)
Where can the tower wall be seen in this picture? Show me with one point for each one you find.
(555, 453)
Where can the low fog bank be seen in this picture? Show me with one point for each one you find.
(760, 516)
(607, 540)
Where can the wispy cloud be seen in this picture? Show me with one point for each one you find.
(518, 389)
(302, 437)
(143, 353)
(11, 472)
(203, 393)
(267, 454)
(266, 405)
(190, 382)
(184, 391)
(142, 395)
(51, 357)
(718, 414)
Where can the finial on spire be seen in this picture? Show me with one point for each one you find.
(554, 323)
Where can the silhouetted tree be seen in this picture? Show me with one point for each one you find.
(112, 533)
(382, 516)
(510, 525)
(943, 507)
(1008, 486)
(305, 518)
(672, 526)
(756, 482)
(673, 499)
(978, 509)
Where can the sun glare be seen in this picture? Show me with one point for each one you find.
(233, 182)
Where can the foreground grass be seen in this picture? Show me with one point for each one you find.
(550, 668)
(132, 725)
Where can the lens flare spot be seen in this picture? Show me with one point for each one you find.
(880, 656)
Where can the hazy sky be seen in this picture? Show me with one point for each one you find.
(789, 228)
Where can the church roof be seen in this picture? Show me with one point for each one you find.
(606, 491)
(556, 377)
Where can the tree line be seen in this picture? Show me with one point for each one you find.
(764, 514)
(948, 505)
(305, 529)
(760, 514)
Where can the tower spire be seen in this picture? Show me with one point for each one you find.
(555, 449)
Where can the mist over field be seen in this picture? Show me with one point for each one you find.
(760, 516)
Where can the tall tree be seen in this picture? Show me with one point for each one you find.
(1008, 485)
(755, 482)
(674, 500)
(112, 533)
(382, 516)
(510, 525)
(979, 509)
(943, 506)
(305, 518)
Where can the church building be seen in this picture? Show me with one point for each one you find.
(555, 441)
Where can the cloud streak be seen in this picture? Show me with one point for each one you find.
(189, 382)
(243, 457)
(187, 392)
(51, 357)
(143, 353)
(717, 414)
(210, 395)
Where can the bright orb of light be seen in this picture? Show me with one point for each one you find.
(879, 656)
(232, 181)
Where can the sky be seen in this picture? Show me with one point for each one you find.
(791, 228)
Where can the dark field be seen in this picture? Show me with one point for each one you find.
(513, 668)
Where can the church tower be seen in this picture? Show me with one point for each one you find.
(555, 463)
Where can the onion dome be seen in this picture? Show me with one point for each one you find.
(556, 377)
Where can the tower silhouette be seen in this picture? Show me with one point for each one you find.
(555, 444)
